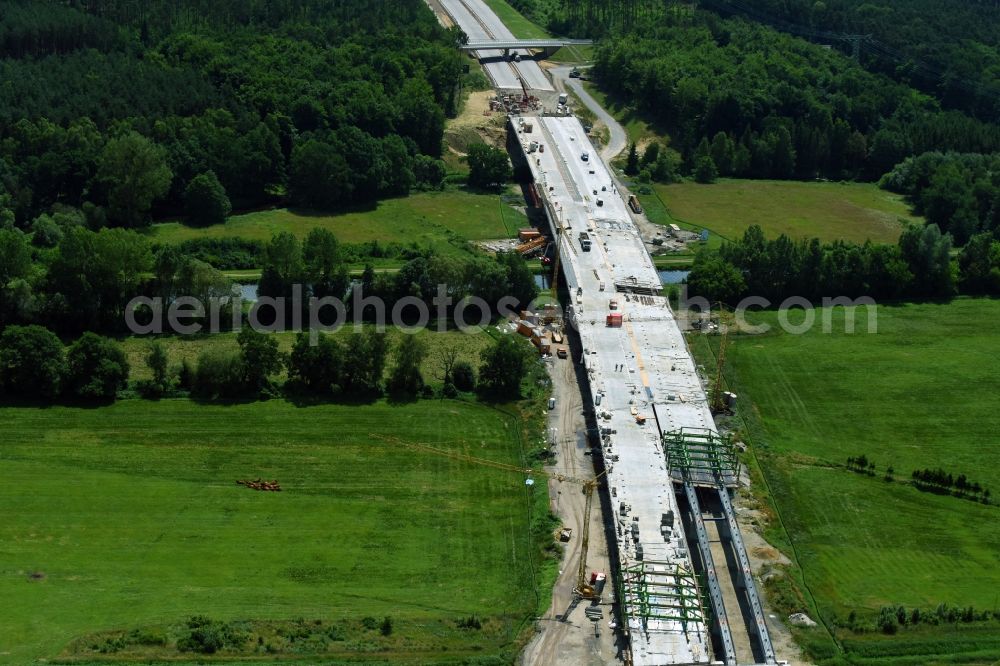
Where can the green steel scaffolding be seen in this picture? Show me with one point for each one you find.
(702, 456)
(662, 591)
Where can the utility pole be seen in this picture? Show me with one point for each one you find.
(856, 41)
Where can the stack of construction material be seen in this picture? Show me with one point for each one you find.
(266, 486)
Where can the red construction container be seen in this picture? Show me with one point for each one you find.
(615, 320)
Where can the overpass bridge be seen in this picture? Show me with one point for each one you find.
(669, 472)
(508, 45)
(485, 31)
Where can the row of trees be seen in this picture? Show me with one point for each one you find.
(862, 465)
(757, 103)
(940, 481)
(139, 112)
(85, 281)
(919, 266)
(959, 192)
(35, 365)
(234, 253)
(354, 367)
(927, 479)
(320, 264)
(891, 619)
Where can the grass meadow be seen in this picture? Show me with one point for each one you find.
(128, 515)
(518, 25)
(829, 211)
(919, 393)
(442, 220)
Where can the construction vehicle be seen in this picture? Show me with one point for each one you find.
(584, 588)
(555, 268)
(526, 101)
(633, 203)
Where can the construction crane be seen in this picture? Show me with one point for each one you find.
(555, 263)
(524, 87)
(718, 401)
(583, 587)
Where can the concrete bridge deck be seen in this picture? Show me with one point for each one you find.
(523, 44)
(644, 383)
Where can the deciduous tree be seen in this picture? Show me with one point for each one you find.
(502, 368)
(32, 362)
(134, 170)
(205, 200)
(97, 368)
(489, 167)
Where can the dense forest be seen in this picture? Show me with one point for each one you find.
(116, 107)
(958, 192)
(946, 48)
(763, 104)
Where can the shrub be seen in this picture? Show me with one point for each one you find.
(225, 253)
(219, 374)
(463, 376)
(97, 367)
(207, 640)
(186, 375)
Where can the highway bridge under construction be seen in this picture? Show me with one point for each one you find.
(669, 471)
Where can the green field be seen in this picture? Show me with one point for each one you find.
(573, 54)
(129, 515)
(829, 211)
(518, 25)
(442, 220)
(919, 393)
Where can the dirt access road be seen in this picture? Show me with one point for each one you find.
(566, 635)
(619, 140)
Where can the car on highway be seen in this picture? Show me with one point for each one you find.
(585, 156)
